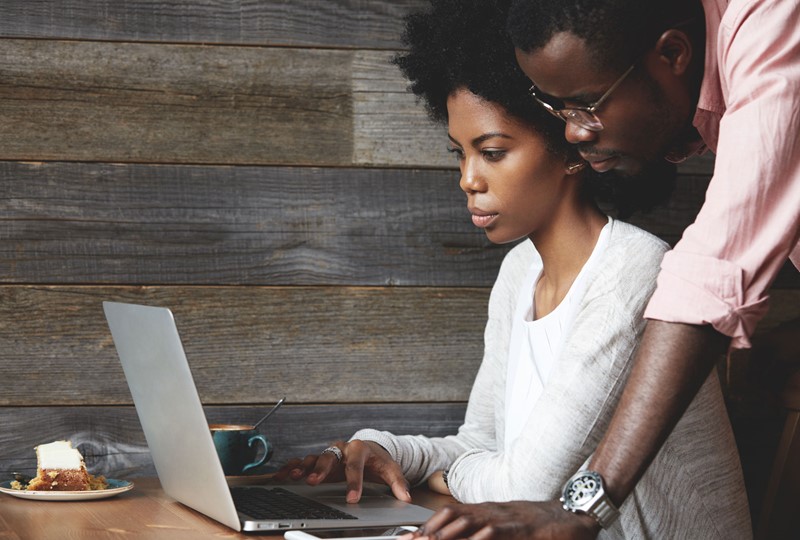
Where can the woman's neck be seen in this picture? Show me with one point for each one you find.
(565, 246)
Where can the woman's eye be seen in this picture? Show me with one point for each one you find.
(457, 151)
(493, 155)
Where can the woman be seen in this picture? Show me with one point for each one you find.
(565, 313)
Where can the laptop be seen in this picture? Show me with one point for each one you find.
(183, 452)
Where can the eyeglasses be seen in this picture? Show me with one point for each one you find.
(585, 116)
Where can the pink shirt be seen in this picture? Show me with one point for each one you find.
(749, 114)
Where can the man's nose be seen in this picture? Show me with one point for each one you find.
(577, 134)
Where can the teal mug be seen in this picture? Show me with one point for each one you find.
(238, 446)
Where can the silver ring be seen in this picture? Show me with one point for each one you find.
(336, 451)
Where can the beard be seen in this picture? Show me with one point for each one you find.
(623, 195)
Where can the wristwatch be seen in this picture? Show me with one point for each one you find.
(584, 493)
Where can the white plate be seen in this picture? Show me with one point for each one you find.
(115, 487)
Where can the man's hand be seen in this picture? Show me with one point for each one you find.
(517, 520)
(360, 460)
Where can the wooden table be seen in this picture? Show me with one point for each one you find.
(145, 512)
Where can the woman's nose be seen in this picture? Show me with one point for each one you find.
(470, 179)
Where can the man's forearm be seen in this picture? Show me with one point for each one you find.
(671, 365)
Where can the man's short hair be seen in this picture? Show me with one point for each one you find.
(616, 31)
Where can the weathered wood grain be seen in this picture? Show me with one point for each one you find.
(136, 224)
(251, 344)
(93, 101)
(391, 126)
(112, 442)
(369, 24)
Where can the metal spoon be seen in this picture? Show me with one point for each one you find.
(275, 408)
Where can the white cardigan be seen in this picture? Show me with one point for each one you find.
(694, 488)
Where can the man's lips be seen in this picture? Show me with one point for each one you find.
(601, 163)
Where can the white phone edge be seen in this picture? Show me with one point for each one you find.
(298, 535)
(302, 535)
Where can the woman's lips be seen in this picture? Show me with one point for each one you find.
(482, 219)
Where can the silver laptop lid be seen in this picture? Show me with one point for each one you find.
(180, 442)
(159, 378)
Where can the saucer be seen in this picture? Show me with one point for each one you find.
(115, 487)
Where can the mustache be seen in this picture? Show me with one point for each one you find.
(588, 151)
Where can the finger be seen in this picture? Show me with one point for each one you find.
(380, 466)
(284, 471)
(326, 463)
(438, 520)
(392, 475)
(461, 527)
(355, 457)
(486, 533)
(301, 469)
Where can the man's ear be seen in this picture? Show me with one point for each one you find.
(675, 49)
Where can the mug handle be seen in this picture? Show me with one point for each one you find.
(265, 456)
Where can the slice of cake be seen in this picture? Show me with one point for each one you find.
(60, 467)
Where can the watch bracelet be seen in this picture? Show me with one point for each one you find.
(604, 512)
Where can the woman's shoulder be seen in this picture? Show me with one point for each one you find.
(628, 269)
(627, 238)
(631, 250)
(514, 269)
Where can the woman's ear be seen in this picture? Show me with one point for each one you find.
(674, 48)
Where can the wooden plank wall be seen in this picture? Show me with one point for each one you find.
(258, 167)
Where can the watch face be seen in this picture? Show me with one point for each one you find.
(581, 490)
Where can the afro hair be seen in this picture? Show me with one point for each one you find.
(463, 44)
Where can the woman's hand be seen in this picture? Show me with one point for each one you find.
(360, 460)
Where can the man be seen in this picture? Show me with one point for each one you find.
(636, 81)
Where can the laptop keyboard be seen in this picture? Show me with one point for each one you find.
(279, 503)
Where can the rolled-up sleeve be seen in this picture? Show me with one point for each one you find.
(749, 225)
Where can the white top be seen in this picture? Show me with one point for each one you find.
(536, 343)
(694, 487)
